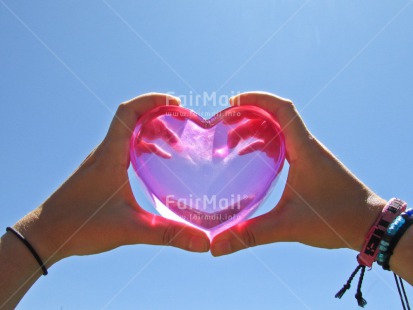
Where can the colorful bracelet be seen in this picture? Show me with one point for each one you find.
(370, 249)
(393, 235)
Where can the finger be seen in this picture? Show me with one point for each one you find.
(264, 229)
(252, 147)
(161, 231)
(234, 137)
(232, 118)
(153, 148)
(156, 129)
(243, 131)
(168, 135)
(150, 129)
(295, 132)
(127, 114)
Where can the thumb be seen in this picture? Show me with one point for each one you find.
(264, 229)
(161, 231)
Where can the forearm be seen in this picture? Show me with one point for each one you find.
(18, 267)
(19, 271)
(401, 261)
(92, 212)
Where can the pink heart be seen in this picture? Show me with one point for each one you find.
(210, 174)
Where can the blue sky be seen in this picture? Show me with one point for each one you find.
(66, 65)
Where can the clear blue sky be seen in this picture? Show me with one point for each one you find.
(66, 65)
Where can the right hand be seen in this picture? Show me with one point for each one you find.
(323, 203)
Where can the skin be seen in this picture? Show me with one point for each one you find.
(92, 212)
(323, 205)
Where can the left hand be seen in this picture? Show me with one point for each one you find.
(152, 130)
(95, 210)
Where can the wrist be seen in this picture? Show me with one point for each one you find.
(371, 210)
(38, 232)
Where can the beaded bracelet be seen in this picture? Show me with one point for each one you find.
(370, 249)
(393, 234)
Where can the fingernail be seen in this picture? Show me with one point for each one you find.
(233, 101)
(222, 248)
(173, 98)
(198, 244)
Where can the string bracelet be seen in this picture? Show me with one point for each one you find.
(393, 235)
(29, 246)
(370, 249)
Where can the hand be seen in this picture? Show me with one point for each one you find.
(265, 140)
(322, 205)
(152, 130)
(95, 210)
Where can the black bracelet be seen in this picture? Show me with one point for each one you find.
(394, 241)
(29, 246)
